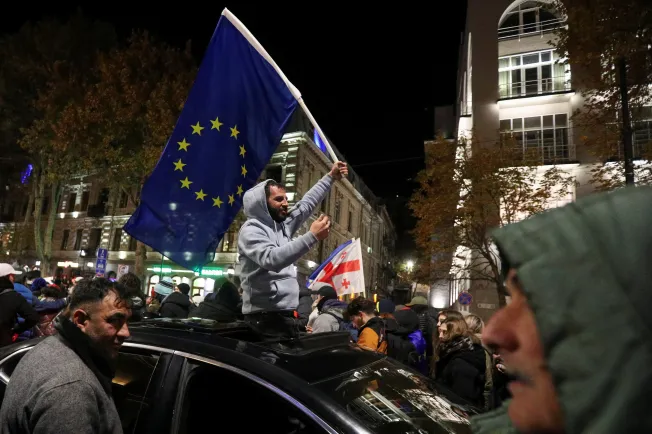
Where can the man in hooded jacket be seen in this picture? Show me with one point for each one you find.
(575, 337)
(268, 250)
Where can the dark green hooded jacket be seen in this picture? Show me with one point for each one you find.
(586, 270)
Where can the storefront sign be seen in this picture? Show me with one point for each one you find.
(205, 272)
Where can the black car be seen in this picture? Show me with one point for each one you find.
(187, 376)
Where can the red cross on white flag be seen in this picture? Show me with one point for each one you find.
(344, 272)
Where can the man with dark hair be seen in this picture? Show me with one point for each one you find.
(64, 382)
(268, 250)
(134, 287)
(371, 328)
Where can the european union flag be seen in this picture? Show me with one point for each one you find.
(233, 120)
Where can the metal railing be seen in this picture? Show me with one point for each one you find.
(531, 29)
(554, 147)
(539, 86)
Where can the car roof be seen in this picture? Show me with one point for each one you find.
(311, 357)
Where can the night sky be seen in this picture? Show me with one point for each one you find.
(370, 76)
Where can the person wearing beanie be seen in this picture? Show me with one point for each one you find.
(177, 304)
(385, 306)
(164, 287)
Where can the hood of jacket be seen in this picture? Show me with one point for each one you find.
(335, 307)
(24, 291)
(585, 270)
(255, 205)
(215, 310)
(177, 298)
(407, 321)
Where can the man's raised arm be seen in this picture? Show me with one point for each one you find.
(306, 206)
(254, 243)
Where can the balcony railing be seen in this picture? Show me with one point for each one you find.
(530, 29)
(540, 86)
(547, 146)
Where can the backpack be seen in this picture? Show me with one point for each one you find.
(344, 326)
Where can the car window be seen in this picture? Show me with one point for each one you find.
(389, 398)
(7, 368)
(10, 363)
(134, 370)
(214, 393)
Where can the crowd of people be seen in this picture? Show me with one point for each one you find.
(444, 345)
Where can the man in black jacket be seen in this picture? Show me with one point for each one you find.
(177, 304)
(13, 304)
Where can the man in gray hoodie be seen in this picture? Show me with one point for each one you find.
(268, 251)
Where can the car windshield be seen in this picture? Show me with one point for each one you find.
(389, 398)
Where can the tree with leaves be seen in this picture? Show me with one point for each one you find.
(598, 36)
(465, 191)
(127, 115)
(44, 69)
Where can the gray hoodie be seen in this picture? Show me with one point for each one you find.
(267, 252)
(327, 321)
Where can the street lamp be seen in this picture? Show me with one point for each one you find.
(409, 265)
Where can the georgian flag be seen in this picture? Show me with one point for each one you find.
(342, 270)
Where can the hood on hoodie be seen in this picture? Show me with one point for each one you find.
(255, 204)
(407, 320)
(585, 270)
(335, 307)
(227, 296)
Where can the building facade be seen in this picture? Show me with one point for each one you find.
(91, 216)
(510, 82)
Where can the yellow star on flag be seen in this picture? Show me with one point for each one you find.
(217, 202)
(234, 132)
(216, 124)
(185, 183)
(196, 129)
(183, 145)
(243, 151)
(178, 165)
(200, 194)
(240, 191)
(244, 171)
(231, 199)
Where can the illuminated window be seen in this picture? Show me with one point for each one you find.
(198, 286)
(528, 18)
(544, 136)
(530, 74)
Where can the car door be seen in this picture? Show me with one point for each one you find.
(140, 371)
(144, 386)
(215, 397)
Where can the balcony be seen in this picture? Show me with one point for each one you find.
(529, 29)
(536, 87)
(548, 146)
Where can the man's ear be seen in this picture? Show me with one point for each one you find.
(80, 318)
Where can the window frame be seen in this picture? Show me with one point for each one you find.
(523, 130)
(545, 86)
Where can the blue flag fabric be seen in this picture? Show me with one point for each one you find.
(233, 120)
(315, 273)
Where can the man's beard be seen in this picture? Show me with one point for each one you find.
(276, 214)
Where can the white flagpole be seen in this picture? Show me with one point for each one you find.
(295, 92)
